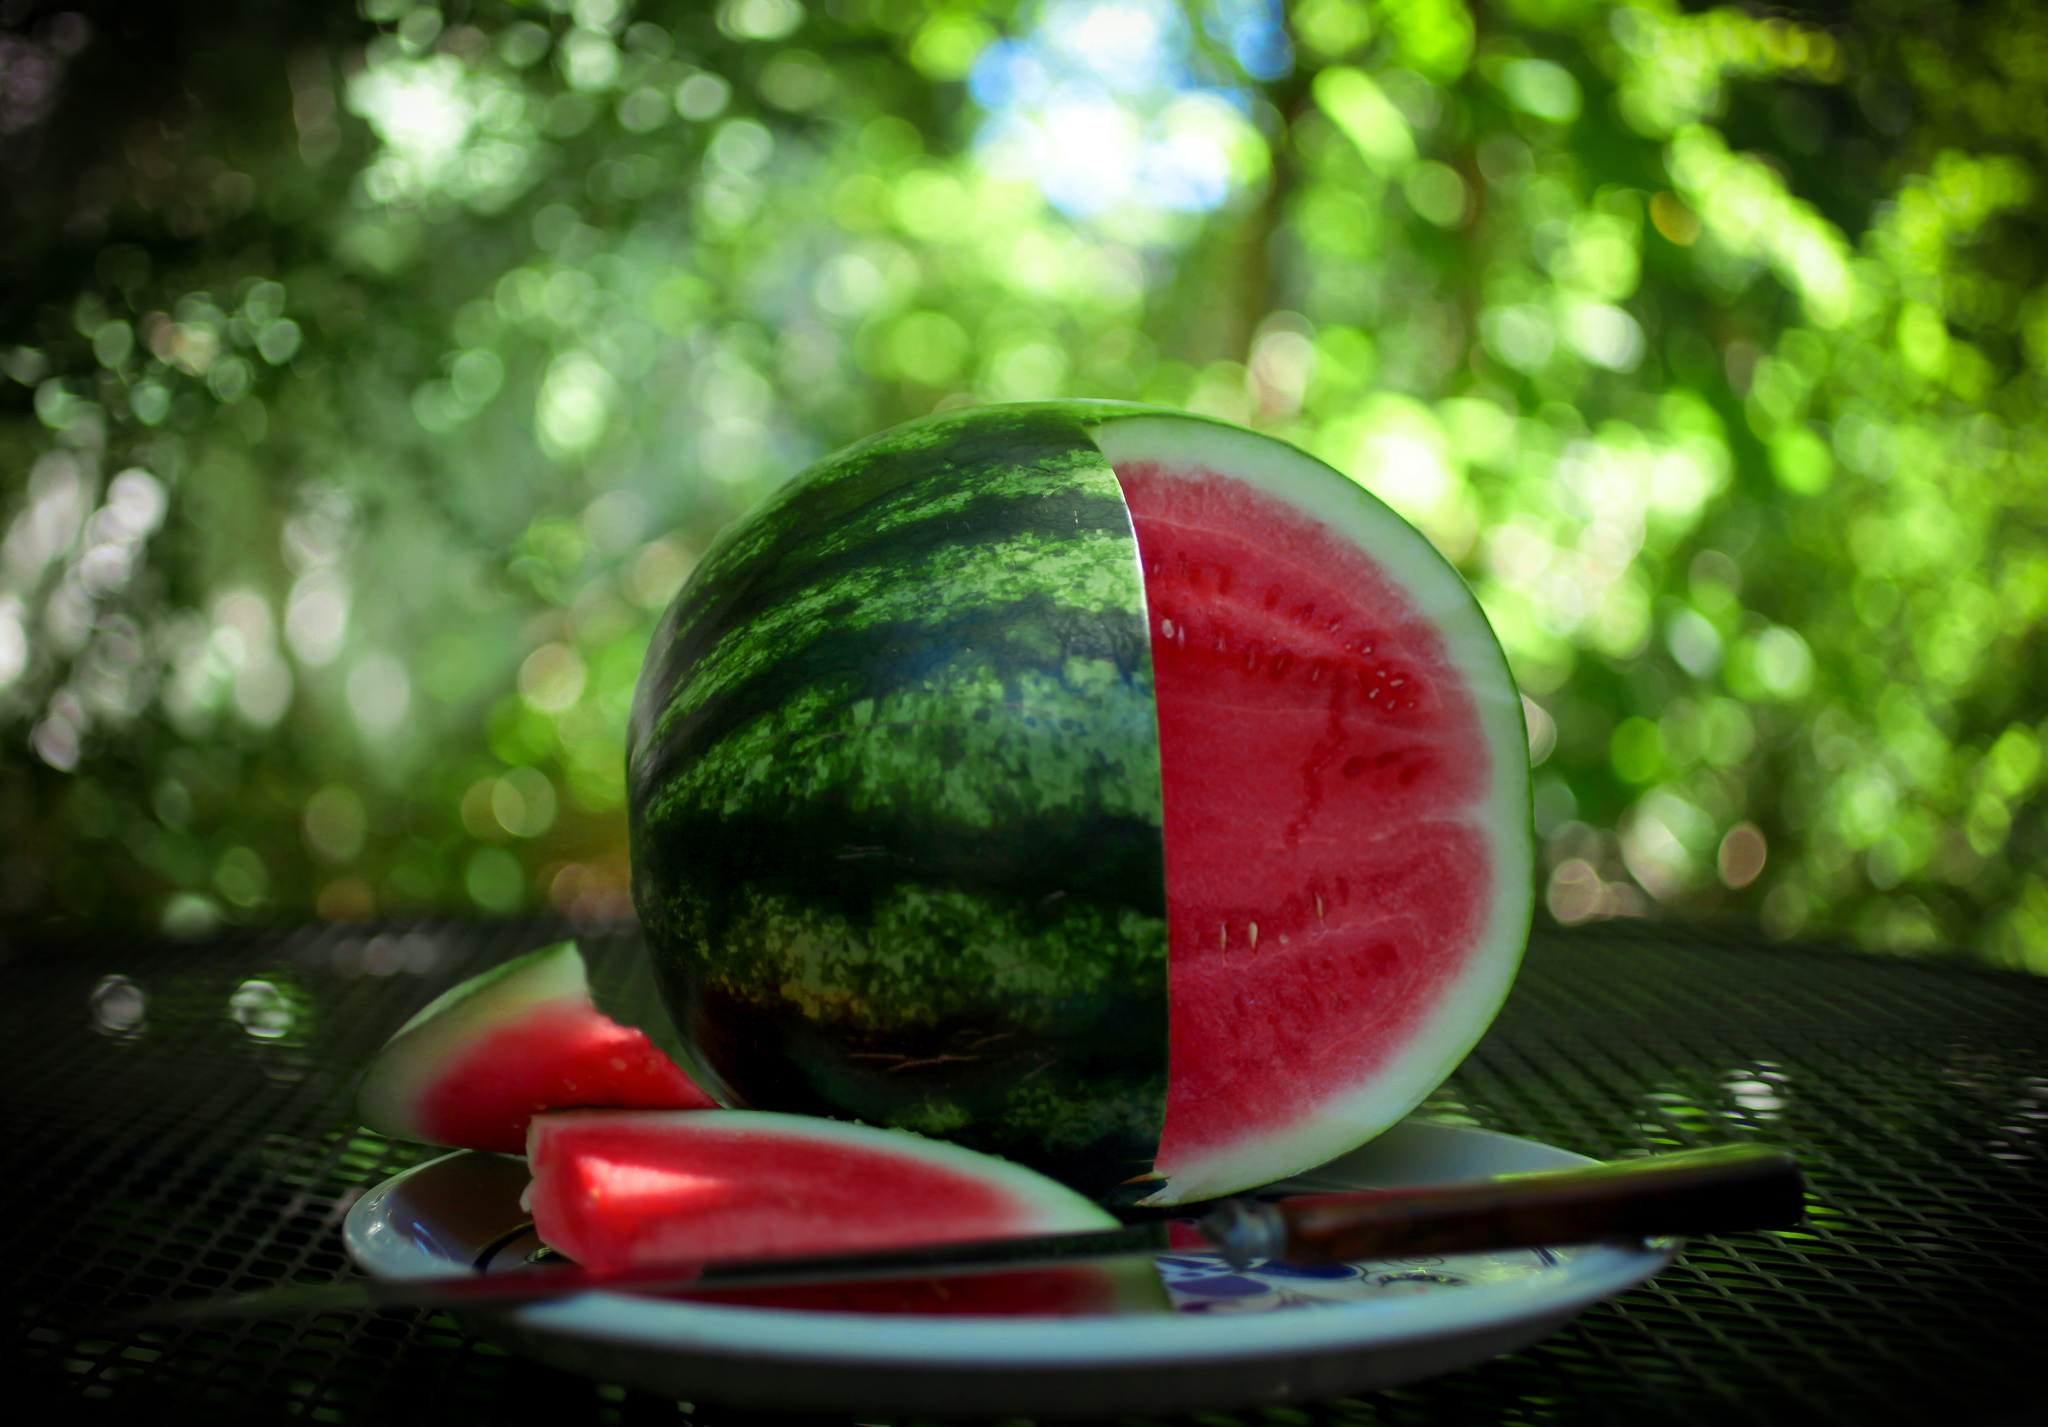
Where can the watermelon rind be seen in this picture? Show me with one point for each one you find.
(568, 1221)
(550, 973)
(1347, 1119)
(895, 800)
(894, 789)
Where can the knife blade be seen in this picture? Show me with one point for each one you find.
(1718, 1190)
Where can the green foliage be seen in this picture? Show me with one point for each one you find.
(372, 380)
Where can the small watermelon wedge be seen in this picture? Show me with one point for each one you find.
(1108, 788)
(617, 1188)
(478, 1062)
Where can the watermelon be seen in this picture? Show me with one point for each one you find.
(473, 1067)
(1111, 789)
(616, 1188)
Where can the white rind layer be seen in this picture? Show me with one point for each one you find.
(455, 1020)
(1353, 1115)
(1047, 1206)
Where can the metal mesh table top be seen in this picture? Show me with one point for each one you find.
(180, 1120)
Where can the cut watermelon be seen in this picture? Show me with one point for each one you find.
(473, 1067)
(1345, 785)
(1013, 759)
(616, 1188)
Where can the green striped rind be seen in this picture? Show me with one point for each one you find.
(453, 1021)
(895, 795)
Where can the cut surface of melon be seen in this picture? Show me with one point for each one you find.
(1344, 765)
(616, 1188)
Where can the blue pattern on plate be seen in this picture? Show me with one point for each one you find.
(1206, 1283)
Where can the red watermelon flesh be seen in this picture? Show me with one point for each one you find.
(558, 1056)
(616, 1188)
(1339, 817)
(473, 1068)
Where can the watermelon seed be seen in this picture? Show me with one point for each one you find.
(1255, 936)
(1319, 909)
(1166, 628)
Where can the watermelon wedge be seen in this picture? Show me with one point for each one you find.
(616, 1188)
(477, 1063)
(1111, 789)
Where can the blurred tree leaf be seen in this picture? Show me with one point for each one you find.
(374, 377)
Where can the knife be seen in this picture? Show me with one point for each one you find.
(1706, 1191)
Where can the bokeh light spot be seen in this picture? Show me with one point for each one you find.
(335, 823)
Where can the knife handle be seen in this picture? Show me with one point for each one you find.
(1706, 1191)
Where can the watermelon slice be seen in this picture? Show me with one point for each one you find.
(473, 1067)
(615, 1188)
(1111, 789)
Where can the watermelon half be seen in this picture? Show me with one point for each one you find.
(617, 1188)
(1112, 789)
(479, 1061)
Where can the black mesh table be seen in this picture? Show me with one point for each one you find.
(179, 1120)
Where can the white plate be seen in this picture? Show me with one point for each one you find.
(1268, 1335)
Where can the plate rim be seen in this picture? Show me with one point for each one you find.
(645, 1324)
